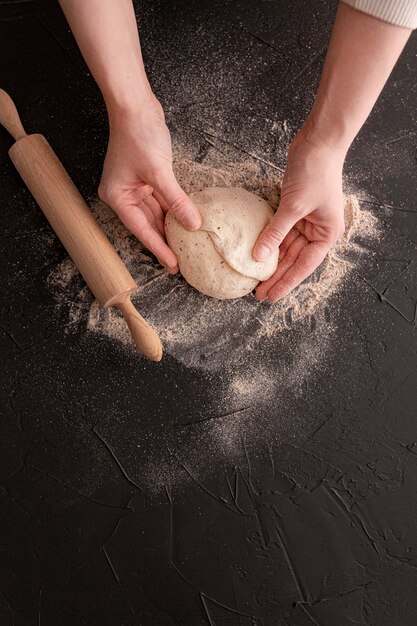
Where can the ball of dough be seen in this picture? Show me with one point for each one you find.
(217, 259)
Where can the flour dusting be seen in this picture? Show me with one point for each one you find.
(251, 353)
(198, 331)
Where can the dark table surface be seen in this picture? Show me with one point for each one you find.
(115, 508)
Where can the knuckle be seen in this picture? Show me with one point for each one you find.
(177, 205)
(144, 191)
(274, 235)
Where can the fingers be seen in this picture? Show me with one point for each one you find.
(274, 234)
(137, 222)
(288, 241)
(156, 212)
(309, 258)
(143, 191)
(141, 213)
(176, 200)
(160, 200)
(299, 242)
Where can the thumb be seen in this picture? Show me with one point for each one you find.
(177, 201)
(273, 235)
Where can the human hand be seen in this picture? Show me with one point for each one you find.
(138, 181)
(310, 216)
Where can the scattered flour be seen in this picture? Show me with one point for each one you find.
(254, 361)
(199, 331)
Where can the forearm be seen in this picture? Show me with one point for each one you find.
(362, 53)
(107, 35)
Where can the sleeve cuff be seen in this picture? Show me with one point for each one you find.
(398, 12)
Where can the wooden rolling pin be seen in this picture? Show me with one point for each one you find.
(75, 225)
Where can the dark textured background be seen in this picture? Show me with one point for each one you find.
(318, 526)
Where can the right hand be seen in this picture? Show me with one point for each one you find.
(138, 181)
(310, 215)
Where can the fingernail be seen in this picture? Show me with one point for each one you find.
(262, 252)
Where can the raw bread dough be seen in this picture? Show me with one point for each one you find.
(217, 259)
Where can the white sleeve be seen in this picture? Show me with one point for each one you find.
(398, 12)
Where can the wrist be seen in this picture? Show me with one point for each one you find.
(128, 101)
(325, 137)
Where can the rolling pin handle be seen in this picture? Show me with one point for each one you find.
(69, 216)
(144, 336)
(9, 117)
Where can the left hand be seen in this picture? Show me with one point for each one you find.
(310, 216)
(138, 181)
